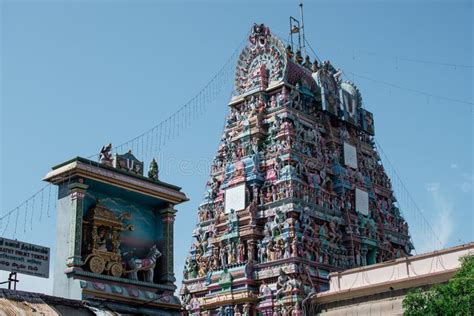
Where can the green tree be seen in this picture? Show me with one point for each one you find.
(453, 298)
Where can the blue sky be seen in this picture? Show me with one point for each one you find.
(78, 74)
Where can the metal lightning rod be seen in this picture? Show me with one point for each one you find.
(303, 46)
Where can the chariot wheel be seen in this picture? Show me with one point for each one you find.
(116, 270)
(97, 264)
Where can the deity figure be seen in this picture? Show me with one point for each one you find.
(273, 102)
(237, 310)
(264, 289)
(283, 97)
(241, 252)
(232, 221)
(296, 310)
(101, 239)
(334, 235)
(262, 256)
(223, 254)
(231, 252)
(215, 260)
(270, 251)
(277, 311)
(267, 229)
(358, 258)
(105, 155)
(221, 311)
(153, 172)
(323, 232)
(185, 295)
(279, 249)
(281, 283)
(294, 247)
(202, 266)
(246, 310)
(250, 251)
(287, 253)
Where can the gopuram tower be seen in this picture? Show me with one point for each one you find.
(297, 189)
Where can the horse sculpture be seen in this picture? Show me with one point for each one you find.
(147, 265)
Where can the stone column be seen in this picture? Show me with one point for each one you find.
(76, 193)
(167, 217)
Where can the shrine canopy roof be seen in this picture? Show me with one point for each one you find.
(123, 183)
(264, 64)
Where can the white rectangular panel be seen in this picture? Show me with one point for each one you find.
(350, 155)
(235, 198)
(362, 202)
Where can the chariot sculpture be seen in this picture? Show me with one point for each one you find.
(101, 244)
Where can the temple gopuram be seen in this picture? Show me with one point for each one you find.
(114, 236)
(297, 189)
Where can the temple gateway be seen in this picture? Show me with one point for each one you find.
(297, 189)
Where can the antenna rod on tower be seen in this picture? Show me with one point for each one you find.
(303, 47)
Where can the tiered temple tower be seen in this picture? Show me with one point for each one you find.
(296, 190)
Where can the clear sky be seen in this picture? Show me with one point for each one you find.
(76, 75)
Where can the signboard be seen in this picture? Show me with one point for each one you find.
(350, 155)
(362, 202)
(235, 198)
(21, 257)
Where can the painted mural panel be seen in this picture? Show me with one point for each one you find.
(121, 238)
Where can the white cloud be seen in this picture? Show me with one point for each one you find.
(467, 184)
(437, 232)
(441, 220)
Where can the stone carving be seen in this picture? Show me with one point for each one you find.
(153, 172)
(101, 244)
(288, 120)
(105, 155)
(128, 162)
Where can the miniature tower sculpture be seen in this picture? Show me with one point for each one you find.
(115, 234)
(297, 190)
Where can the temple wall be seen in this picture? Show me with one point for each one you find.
(398, 270)
(380, 289)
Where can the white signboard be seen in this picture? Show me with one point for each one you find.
(21, 257)
(350, 155)
(235, 198)
(362, 202)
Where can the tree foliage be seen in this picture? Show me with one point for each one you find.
(453, 298)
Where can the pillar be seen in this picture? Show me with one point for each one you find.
(167, 217)
(76, 193)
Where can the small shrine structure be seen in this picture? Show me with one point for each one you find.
(297, 189)
(114, 240)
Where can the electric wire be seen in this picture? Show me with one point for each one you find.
(414, 60)
(398, 86)
(410, 89)
(167, 128)
(379, 147)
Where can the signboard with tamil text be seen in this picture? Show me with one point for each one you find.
(25, 258)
